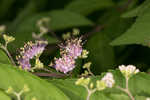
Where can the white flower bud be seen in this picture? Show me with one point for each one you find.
(109, 80)
(128, 70)
(147, 98)
(2, 28)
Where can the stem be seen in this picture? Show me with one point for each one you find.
(51, 75)
(90, 72)
(18, 95)
(126, 90)
(46, 70)
(90, 92)
(9, 55)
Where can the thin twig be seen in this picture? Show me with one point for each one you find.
(9, 55)
(90, 72)
(97, 28)
(50, 75)
(126, 91)
(90, 92)
(46, 70)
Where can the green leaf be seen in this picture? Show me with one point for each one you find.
(137, 11)
(139, 32)
(39, 88)
(114, 26)
(140, 92)
(3, 96)
(101, 54)
(75, 92)
(4, 58)
(119, 97)
(86, 7)
(5, 6)
(60, 19)
(141, 97)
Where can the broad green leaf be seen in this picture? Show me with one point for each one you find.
(60, 19)
(75, 92)
(139, 32)
(3, 96)
(5, 5)
(39, 88)
(141, 97)
(119, 97)
(138, 11)
(140, 92)
(114, 26)
(86, 7)
(4, 58)
(101, 53)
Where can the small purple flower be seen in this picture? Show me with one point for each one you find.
(29, 51)
(24, 63)
(64, 64)
(73, 47)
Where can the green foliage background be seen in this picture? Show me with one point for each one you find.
(116, 32)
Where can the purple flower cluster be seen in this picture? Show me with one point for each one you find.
(29, 51)
(74, 48)
(70, 51)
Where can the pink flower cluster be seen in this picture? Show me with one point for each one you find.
(70, 51)
(29, 51)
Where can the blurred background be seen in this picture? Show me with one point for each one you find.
(99, 22)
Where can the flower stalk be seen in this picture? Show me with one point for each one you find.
(127, 71)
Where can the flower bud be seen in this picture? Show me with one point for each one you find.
(82, 81)
(91, 85)
(85, 73)
(76, 32)
(84, 54)
(109, 80)
(66, 36)
(128, 70)
(8, 39)
(38, 64)
(2, 28)
(147, 98)
(87, 65)
(9, 90)
(26, 88)
(34, 98)
(100, 85)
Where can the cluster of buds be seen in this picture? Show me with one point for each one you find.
(42, 24)
(70, 51)
(83, 81)
(25, 89)
(106, 82)
(87, 71)
(29, 51)
(8, 39)
(68, 35)
(128, 70)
